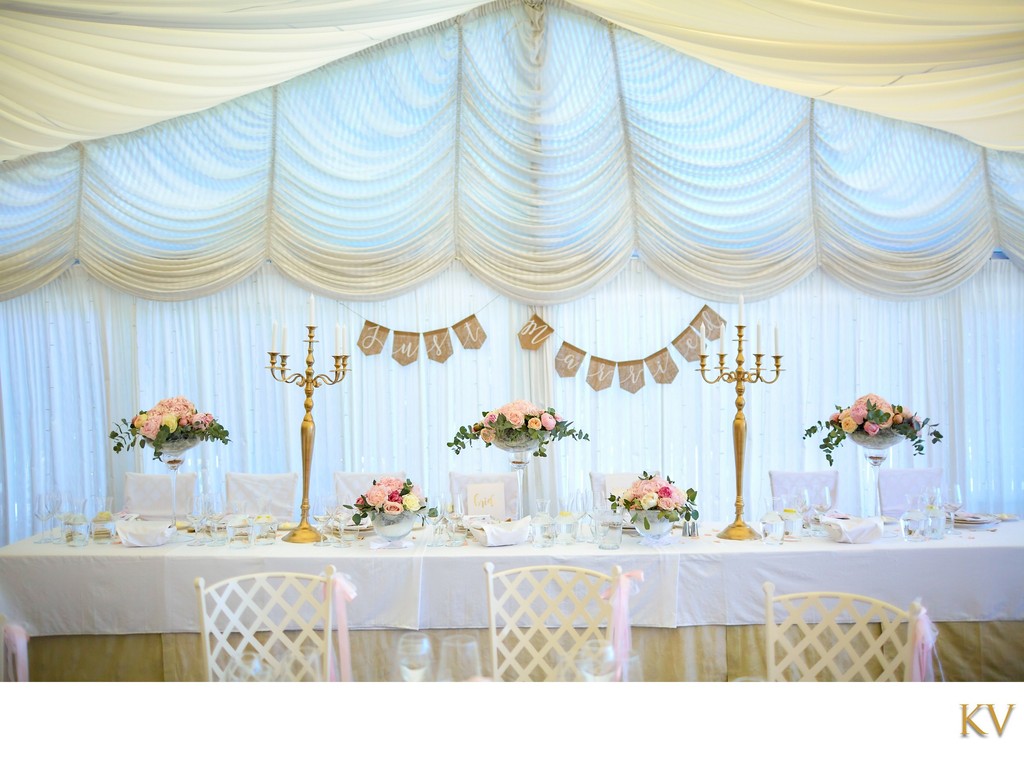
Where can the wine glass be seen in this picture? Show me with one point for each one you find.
(801, 501)
(213, 507)
(433, 513)
(460, 659)
(413, 657)
(821, 502)
(952, 503)
(45, 508)
(452, 513)
(196, 518)
(322, 513)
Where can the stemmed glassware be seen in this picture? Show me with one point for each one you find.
(322, 512)
(414, 658)
(46, 507)
(433, 514)
(820, 499)
(213, 507)
(197, 519)
(460, 659)
(952, 503)
(452, 513)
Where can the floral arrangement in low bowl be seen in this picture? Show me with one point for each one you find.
(172, 423)
(519, 425)
(390, 496)
(653, 493)
(874, 422)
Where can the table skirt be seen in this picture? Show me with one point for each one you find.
(969, 651)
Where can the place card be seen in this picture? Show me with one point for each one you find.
(486, 498)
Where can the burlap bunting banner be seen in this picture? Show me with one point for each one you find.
(533, 334)
(712, 321)
(438, 345)
(600, 373)
(569, 360)
(688, 344)
(405, 347)
(631, 375)
(470, 333)
(661, 366)
(371, 339)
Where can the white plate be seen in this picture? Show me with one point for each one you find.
(975, 521)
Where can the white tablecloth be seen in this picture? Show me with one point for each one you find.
(112, 589)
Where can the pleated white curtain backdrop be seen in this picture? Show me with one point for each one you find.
(79, 355)
(540, 146)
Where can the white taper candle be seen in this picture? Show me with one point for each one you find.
(741, 311)
(758, 338)
(777, 353)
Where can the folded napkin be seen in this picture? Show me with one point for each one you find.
(501, 533)
(854, 529)
(137, 532)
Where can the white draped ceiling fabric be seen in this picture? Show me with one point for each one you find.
(177, 176)
(540, 145)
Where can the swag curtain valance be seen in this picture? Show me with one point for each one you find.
(540, 146)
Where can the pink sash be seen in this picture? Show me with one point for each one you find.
(621, 634)
(344, 591)
(16, 642)
(922, 644)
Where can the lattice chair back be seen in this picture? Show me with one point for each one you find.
(272, 614)
(540, 617)
(837, 637)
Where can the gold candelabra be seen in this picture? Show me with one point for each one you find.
(309, 381)
(739, 530)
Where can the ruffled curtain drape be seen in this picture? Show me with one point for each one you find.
(540, 146)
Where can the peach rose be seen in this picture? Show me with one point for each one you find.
(534, 423)
(487, 435)
(848, 424)
(515, 418)
(392, 508)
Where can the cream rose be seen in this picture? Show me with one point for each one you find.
(649, 500)
(410, 502)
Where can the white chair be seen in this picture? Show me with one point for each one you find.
(894, 485)
(278, 617)
(605, 484)
(13, 652)
(149, 495)
(459, 482)
(788, 483)
(274, 494)
(540, 616)
(837, 637)
(349, 485)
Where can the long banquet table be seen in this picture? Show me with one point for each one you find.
(110, 612)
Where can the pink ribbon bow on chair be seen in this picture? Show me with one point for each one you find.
(16, 641)
(620, 629)
(344, 591)
(922, 645)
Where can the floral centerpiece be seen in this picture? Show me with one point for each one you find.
(873, 422)
(173, 423)
(519, 425)
(388, 496)
(653, 496)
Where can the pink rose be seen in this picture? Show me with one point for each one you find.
(859, 412)
(515, 418)
(393, 508)
(665, 491)
(151, 428)
(377, 496)
(547, 421)
(871, 428)
(394, 497)
(834, 417)
(490, 419)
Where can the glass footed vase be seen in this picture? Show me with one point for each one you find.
(519, 453)
(876, 451)
(393, 528)
(172, 454)
(650, 525)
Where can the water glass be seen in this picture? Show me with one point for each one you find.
(609, 529)
(460, 659)
(914, 521)
(76, 523)
(239, 531)
(595, 662)
(936, 528)
(99, 510)
(452, 514)
(414, 658)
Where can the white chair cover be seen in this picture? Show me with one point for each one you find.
(149, 495)
(785, 483)
(13, 652)
(275, 494)
(349, 485)
(458, 481)
(605, 484)
(894, 485)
